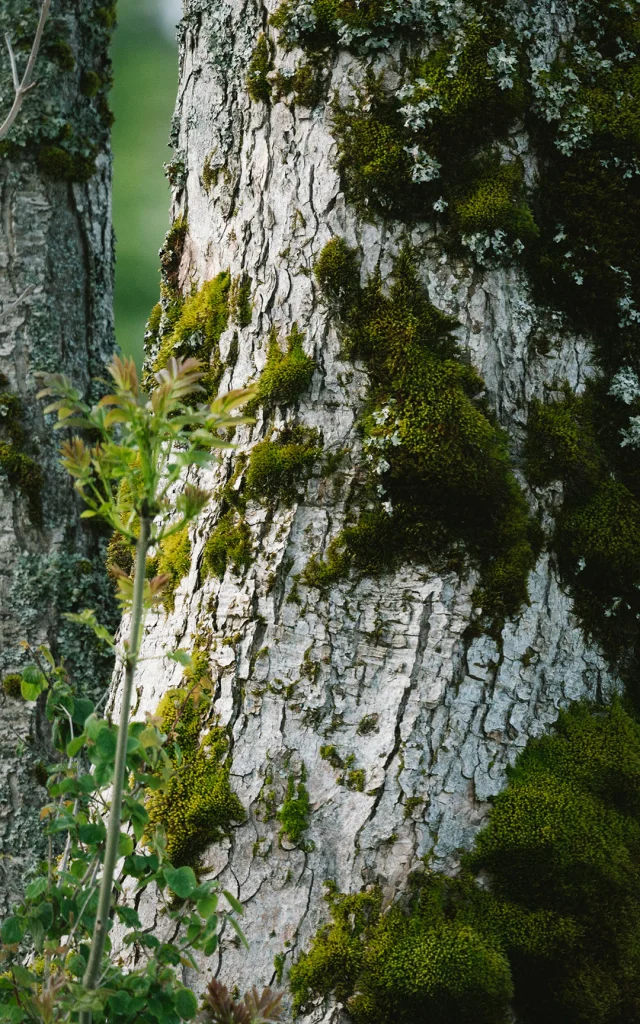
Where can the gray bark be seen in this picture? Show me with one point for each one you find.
(452, 712)
(56, 240)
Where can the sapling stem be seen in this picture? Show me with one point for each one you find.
(94, 965)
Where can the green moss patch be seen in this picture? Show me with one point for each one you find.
(287, 375)
(553, 932)
(277, 468)
(229, 544)
(22, 470)
(202, 318)
(173, 559)
(577, 440)
(296, 810)
(438, 464)
(197, 807)
(12, 685)
(260, 66)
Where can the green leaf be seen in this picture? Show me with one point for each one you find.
(44, 915)
(86, 784)
(82, 708)
(36, 888)
(210, 945)
(211, 925)
(128, 916)
(76, 965)
(33, 682)
(186, 1003)
(12, 930)
(182, 881)
(207, 906)
(13, 1014)
(24, 977)
(182, 657)
(76, 745)
(236, 927)
(103, 774)
(125, 845)
(94, 726)
(235, 904)
(92, 833)
(106, 743)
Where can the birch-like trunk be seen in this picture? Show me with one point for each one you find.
(452, 711)
(56, 246)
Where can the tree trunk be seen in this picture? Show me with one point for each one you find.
(382, 689)
(56, 291)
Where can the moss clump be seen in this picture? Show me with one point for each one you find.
(588, 262)
(295, 811)
(433, 148)
(564, 839)
(438, 463)
(404, 965)
(555, 935)
(196, 330)
(561, 442)
(173, 560)
(276, 467)
(22, 471)
(286, 374)
(495, 201)
(12, 685)
(120, 556)
(576, 440)
(198, 807)
(306, 85)
(229, 544)
(373, 156)
(260, 66)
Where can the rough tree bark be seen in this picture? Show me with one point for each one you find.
(295, 668)
(56, 290)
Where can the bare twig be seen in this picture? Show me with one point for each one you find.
(24, 86)
(18, 301)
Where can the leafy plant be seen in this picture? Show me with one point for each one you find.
(96, 817)
(221, 1008)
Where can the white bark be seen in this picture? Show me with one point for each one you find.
(451, 712)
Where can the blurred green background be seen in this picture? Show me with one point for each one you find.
(145, 68)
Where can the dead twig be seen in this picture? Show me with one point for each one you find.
(23, 87)
(14, 305)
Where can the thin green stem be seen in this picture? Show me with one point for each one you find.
(94, 965)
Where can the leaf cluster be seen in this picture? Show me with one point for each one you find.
(142, 444)
(56, 919)
(254, 1008)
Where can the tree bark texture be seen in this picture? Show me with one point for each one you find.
(56, 291)
(297, 669)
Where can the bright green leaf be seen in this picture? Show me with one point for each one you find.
(186, 1003)
(182, 881)
(36, 888)
(12, 930)
(76, 745)
(125, 845)
(33, 682)
(207, 906)
(235, 904)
